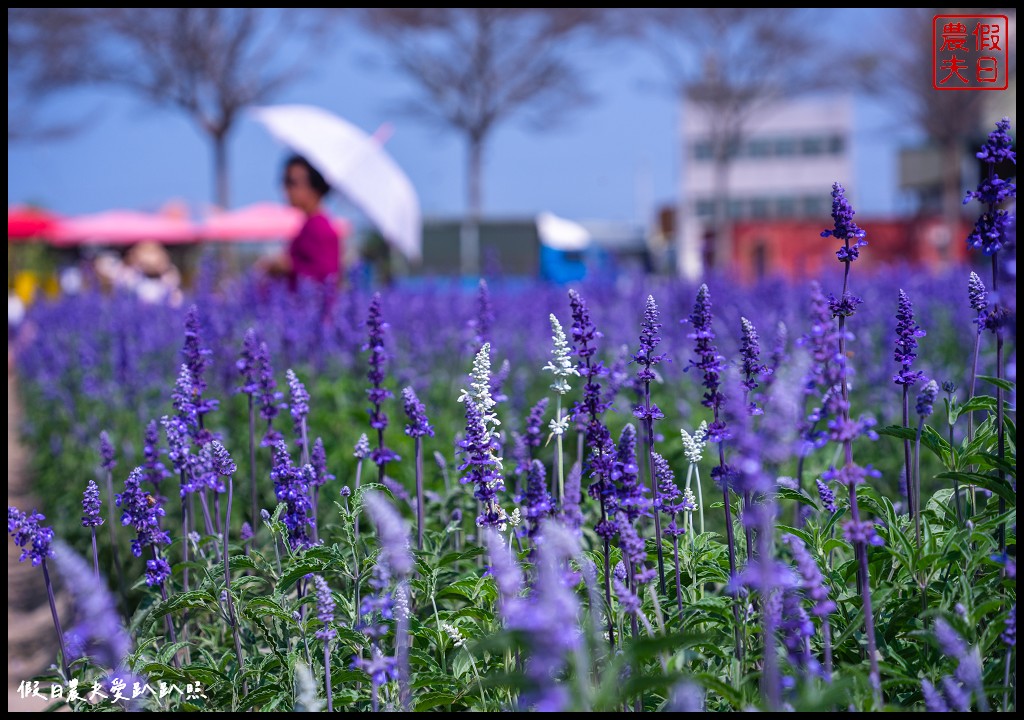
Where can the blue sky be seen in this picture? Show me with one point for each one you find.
(616, 159)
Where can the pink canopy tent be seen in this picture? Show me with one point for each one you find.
(260, 221)
(123, 227)
(25, 223)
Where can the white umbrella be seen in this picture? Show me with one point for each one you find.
(560, 234)
(353, 163)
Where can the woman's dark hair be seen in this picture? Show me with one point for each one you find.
(316, 180)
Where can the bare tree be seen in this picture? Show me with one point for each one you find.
(729, 63)
(478, 67)
(210, 63)
(899, 69)
(45, 47)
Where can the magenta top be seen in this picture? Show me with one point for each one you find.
(316, 251)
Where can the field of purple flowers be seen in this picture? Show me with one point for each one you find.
(639, 496)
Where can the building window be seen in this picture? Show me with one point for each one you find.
(759, 148)
(785, 147)
(815, 206)
(836, 145)
(736, 209)
(702, 150)
(760, 208)
(812, 146)
(785, 207)
(705, 208)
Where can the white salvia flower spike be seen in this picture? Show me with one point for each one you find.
(561, 363)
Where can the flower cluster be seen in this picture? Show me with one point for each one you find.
(994, 228)
(480, 447)
(299, 403)
(708, 361)
(752, 367)
(91, 506)
(907, 332)
(646, 359)
(844, 226)
(418, 425)
(291, 486)
(377, 393)
(33, 539)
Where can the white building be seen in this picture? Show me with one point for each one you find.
(783, 167)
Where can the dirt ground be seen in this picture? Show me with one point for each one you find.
(31, 639)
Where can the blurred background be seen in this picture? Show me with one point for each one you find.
(555, 144)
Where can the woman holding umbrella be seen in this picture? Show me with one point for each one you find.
(314, 253)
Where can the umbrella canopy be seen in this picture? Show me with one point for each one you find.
(560, 234)
(355, 164)
(27, 222)
(260, 221)
(122, 227)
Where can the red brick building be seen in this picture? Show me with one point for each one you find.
(794, 249)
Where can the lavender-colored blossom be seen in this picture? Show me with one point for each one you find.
(862, 532)
(324, 608)
(828, 498)
(844, 226)
(995, 227)
(752, 367)
(708, 361)
(810, 577)
(152, 468)
(298, 405)
(571, 515)
(508, 576)
(291, 488)
(33, 538)
(418, 425)
(534, 435)
(221, 461)
(977, 294)
(182, 397)
(536, 502)
(91, 506)
(381, 668)
(246, 533)
(926, 399)
(631, 494)
(548, 621)
(142, 511)
(796, 630)
(480, 447)
(907, 332)
(969, 669)
(393, 534)
(318, 459)
(362, 448)
(248, 363)
(268, 396)
(628, 600)
(107, 460)
(157, 572)
(96, 630)
(377, 393)
(195, 356)
(480, 326)
(933, 700)
(1009, 634)
(646, 358)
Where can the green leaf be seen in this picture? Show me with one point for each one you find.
(298, 569)
(430, 700)
(192, 599)
(260, 696)
(988, 482)
(998, 382)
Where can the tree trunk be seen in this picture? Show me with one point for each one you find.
(469, 238)
(220, 169)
